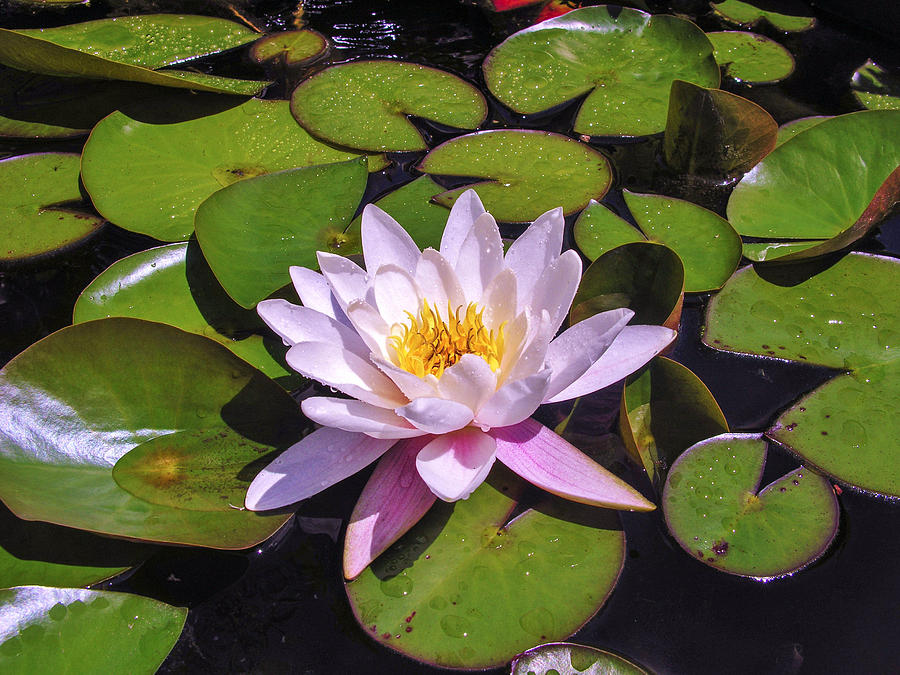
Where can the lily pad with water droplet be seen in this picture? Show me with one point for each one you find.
(876, 88)
(665, 410)
(844, 317)
(42, 209)
(521, 173)
(253, 231)
(599, 229)
(467, 588)
(151, 177)
(746, 14)
(367, 104)
(749, 57)
(173, 284)
(566, 658)
(72, 407)
(290, 47)
(48, 630)
(624, 60)
(715, 510)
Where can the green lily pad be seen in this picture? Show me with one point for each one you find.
(624, 61)
(130, 48)
(717, 513)
(521, 173)
(790, 129)
(366, 104)
(599, 229)
(745, 14)
(253, 231)
(844, 317)
(819, 184)
(647, 278)
(72, 406)
(58, 630)
(290, 47)
(772, 250)
(665, 410)
(466, 588)
(749, 57)
(150, 178)
(173, 284)
(710, 131)
(876, 88)
(565, 658)
(42, 207)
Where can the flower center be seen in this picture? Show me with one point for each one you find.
(428, 343)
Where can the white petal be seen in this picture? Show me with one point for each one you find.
(294, 324)
(384, 242)
(309, 466)
(541, 457)
(571, 354)
(348, 281)
(371, 327)
(555, 289)
(396, 293)
(437, 281)
(315, 293)
(631, 349)
(535, 249)
(412, 386)
(514, 401)
(465, 211)
(345, 371)
(353, 415)
(499, 299)
(436, 415)
(455, 464)
(532, 349)
(469, 381)
(480, 257)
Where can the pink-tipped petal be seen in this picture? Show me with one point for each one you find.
(316, 462)
(294, 324)
(631, 349)
(352, 415)
(394, 499)
(480, 258)
(348, 281)
(436, 415)
(463, 215)
(385, 241)
(535, 249)
(514, 401)
(315, 293)
(455, 464)
(543, 458)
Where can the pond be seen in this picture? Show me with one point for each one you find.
(807, 579)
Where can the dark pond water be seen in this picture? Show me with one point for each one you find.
(281, 608)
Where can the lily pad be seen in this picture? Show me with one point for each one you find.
(710, 131)
(42, 207)
(521, 174)
(819, 184)
(746, 14)
(625, 61)
(749, 57)
(665, 410)
(467, 588)
(790, 129)
(717, 513)
(599, 229)
(290, 47)
(565, 658)
(366, 104)
(647, 278)
(253, 231)
(150, 178)
(876, 88)
(173, 284)
(844, 317)
(49, 630)
(772, 250)
(71, 408)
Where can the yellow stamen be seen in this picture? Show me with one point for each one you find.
(429, 343)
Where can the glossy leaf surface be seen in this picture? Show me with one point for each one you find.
(599, 229)
(565, 658)
(749, 57)
(790, 129)
(290, 47)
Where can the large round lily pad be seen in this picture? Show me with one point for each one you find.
(173, 284)
(62, 630)
(42, 208)
(523, 173)
(844, 317)
(565, 658)
(624, 60)
(749, 57)
(366, 104)
(253, 231)
(466, 588)
(74, 403)
(150, 178)
(716, 512)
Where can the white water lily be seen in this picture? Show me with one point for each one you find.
(445, 356)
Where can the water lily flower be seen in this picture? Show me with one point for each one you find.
(444, 356)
